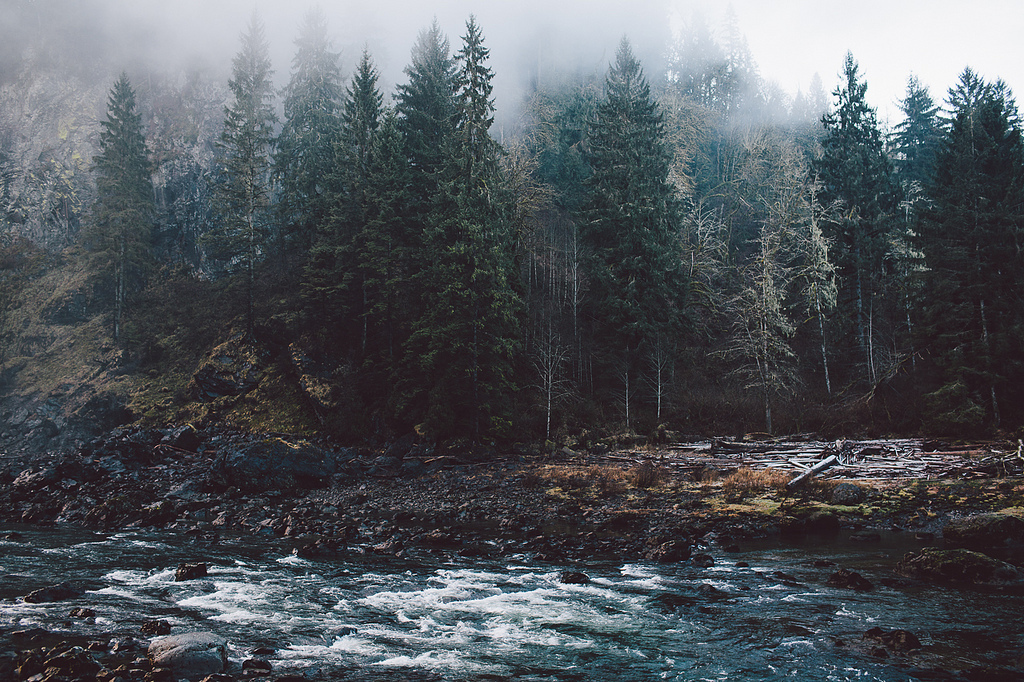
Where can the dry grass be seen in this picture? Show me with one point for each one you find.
(745, 480)
(648, 474)
(603, 479)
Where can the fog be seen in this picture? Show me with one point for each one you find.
(532, 40)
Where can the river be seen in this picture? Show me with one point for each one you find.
(366, 617)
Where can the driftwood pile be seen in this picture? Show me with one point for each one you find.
(866, 459)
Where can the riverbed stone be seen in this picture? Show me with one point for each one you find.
(59, 592)
(848, 579)
(192, 654)
(956, 567)
(188, 571)
(984, 531)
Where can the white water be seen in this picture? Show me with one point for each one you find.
(376, 618)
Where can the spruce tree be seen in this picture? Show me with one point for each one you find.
(630, 227)
(124, 212)
(462, 346)
(305, 156)
(856, 172)
(970, 236)
(243, 235)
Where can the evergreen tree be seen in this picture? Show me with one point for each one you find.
(916, 138)
(630, 226)
(856, 172)
(463, 344)
(124, 212)
(970, 236)
(244, 232)
(305, 156)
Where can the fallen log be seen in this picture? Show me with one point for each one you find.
(831, 460)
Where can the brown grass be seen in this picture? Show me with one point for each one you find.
(604, 479)
(648, 474)
(746, 479)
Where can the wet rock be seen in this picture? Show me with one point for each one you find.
(257, 664)
(74, 663)
(865, 536)
(897, 641)
(848, 579)
(672, 551)
(984, 531)
(818, 522)
(193, 654)
(156, 628)
(956, 567)
(573, 578)
(189, 572)
(59, 592)
(702, 560)
(82, 613)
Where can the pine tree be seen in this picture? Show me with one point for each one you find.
(244, 233)
(124, 212)
(916, 138)
(970, 236)
(856, 172)
(305, 156)
(630, 226)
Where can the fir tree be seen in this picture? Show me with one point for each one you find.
(630, 226)
(244, 232)
(305, 156)
(124, 212)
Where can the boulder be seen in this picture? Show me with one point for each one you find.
(956, 567)
(58, 592)
(848, 494)
(702, 560)
(189, 572)
(898, 641)
(275, 464)
(232, 368)
(573, 578)
(192, 654)
(984, 531)
(848, 579)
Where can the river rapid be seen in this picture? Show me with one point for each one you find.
(763, 613)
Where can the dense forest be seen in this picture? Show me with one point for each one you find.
(690, 249)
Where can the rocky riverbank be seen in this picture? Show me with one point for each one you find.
(413, 499)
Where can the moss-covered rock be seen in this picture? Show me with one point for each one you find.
(956, 567)
(984, 531)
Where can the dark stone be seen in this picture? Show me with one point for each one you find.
(156, 628)
(74, 663)
(256, 664)
(183, 438)
(956, 567)
(59, 592)
(573, 578)
(823, 522)
(702, 560)
(848, 579)
(897, 641)
(82, 613)
(190, 572)
(984, 531)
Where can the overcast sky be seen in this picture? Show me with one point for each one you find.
(790, 40)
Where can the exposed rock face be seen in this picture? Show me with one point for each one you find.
(192, 654)
(671, 551)
(984, 531)
(232, 368)
(189, 572)
(956, 567)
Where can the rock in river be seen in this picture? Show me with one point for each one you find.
(956, 566)
(984, 531)
(192, 654)
(59, 592)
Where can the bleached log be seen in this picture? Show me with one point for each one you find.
(831, 460)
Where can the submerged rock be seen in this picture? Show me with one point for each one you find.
(898, 641)
(58, 592)
(192, 654)
(848, 579)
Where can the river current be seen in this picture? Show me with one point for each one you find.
(365, 617)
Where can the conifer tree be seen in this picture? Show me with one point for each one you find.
(124, 212)
(970, 236)
(244, 232)
(305, 156)
(630, 226)
(856, 172)
(463, 344)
